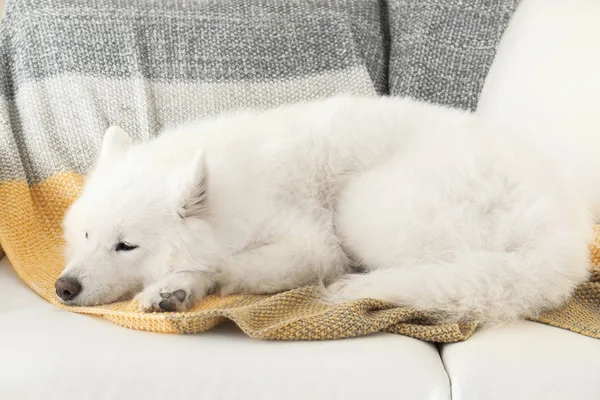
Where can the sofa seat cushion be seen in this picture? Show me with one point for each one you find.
(48, 353)
(524, 360)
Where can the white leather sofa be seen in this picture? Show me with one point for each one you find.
(546, 81)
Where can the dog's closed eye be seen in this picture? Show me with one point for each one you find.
(123, 246)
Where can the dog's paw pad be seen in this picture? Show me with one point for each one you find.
(180, 294)
(173, 301)
(167, 305)
(163, 301)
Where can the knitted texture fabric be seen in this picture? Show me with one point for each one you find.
(71, 68)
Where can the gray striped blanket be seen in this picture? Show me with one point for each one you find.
(69, 68)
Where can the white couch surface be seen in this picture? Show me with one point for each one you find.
(47, 353)
(526, 360)
(545, 83)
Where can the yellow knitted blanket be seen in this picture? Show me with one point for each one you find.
(32, 240)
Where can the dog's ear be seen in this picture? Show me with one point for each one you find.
(116, 141)
(193, 199)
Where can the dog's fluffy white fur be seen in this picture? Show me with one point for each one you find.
(383, 198)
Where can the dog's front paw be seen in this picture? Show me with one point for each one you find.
(160, 299)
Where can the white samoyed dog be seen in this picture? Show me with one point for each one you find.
(385, 198)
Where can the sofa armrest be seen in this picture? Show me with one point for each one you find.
(544, 83)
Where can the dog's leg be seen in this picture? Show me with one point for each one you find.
(178, 291)
(284, 264)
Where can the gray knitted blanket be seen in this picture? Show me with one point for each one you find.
(71, 68)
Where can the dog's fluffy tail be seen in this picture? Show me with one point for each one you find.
(490, 287)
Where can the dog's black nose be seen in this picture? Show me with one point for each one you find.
(67, 288)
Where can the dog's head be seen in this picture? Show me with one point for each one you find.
(133, 223)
